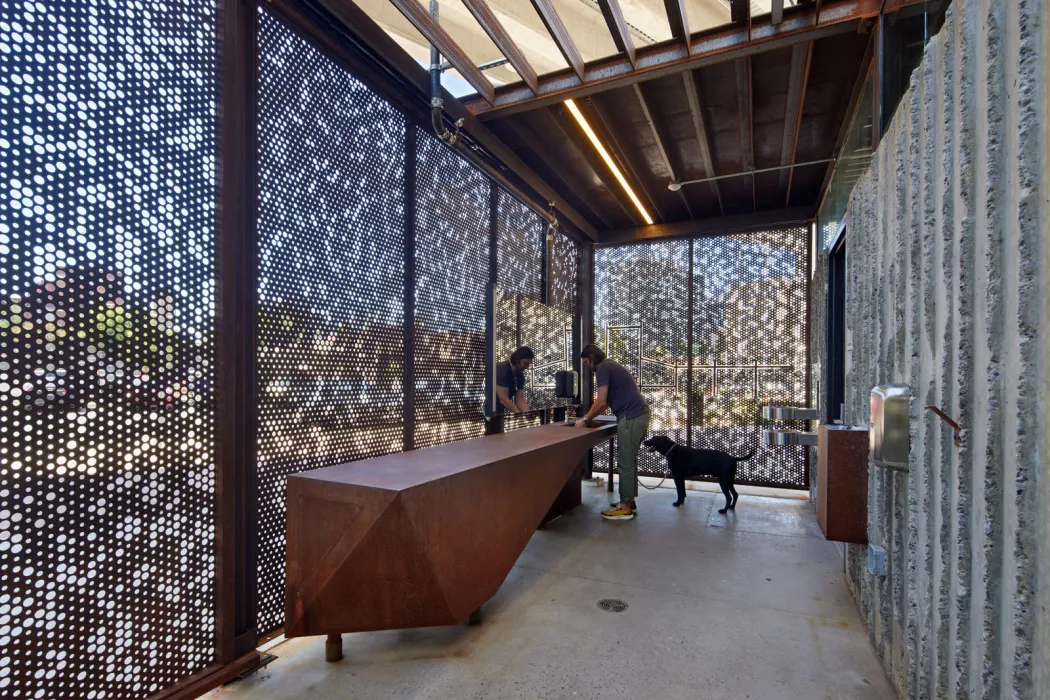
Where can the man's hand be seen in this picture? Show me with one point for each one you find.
(582, 423)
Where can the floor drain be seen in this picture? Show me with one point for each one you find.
(612, 605)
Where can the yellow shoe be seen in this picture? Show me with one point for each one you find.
(620, 512)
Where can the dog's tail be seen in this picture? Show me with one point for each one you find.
(746, 457)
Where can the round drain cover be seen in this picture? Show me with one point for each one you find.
(612, 605)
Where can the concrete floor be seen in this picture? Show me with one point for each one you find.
(753, 605)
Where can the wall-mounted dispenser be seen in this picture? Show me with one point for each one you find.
(890, 437)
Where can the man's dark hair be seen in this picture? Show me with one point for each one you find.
(593, 353)
(522, 353)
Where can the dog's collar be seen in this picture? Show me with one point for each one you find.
(673, 445)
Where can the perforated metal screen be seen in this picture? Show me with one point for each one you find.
(563, 272)
(547, 330)
(331, 287)
(519, 247)
(452, 274)
(749, 347)
(749, 321)
(641, 320)
(107, 234)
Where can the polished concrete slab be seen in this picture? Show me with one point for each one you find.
(751, 606)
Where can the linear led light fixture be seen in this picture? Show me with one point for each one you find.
(608, 160)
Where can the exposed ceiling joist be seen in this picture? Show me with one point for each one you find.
(557, 167)
(661, 60)
(679, 21)
(739, 10)
(713, 226)
(744, 103)
(556, 28)
(659, 142)
(618, 28)
(849, 113)
(798, 79)
(359, 27)
(777, 12)
(699, 125)
(415, 13)
(494, 28)
(575, 136)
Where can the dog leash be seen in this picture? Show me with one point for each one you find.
(653, 488)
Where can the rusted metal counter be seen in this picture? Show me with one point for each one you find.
(421, 538)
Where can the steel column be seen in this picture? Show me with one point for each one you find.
(235, 333)
(409, 378)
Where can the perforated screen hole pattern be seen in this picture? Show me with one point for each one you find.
(545, 329)
(452, 274)
(548, 331)
(641, 307)
(107, 476)
(749, 320)
(519, 246)
(331, 283)
(563, 271)
(749, 305)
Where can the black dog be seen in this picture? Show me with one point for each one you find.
(687, 462)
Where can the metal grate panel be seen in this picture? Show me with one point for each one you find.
(564, 270)
(749, 321)
(452, 274)
(548, 331)
(107, 476)
(640, 318)
(519, 246)
(331, 228)
(545, 329)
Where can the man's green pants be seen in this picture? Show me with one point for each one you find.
(629, 435)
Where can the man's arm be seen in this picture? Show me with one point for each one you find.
(524, 404)
(503, 394)
(601, 403)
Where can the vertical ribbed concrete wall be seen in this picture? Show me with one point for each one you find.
(947, 277)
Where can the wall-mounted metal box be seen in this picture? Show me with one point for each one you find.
(890, 437)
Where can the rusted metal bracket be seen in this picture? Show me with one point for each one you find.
(947, 419)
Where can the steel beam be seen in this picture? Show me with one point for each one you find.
(726, 44)
(494, 28)
(415, 13)
(535, 144)
(659, 141)
(745, 109)
(603, 125)
(697, 112)
(777, 12)
(679, 20)
(594, 161)
(410, 82)
(713, 226)
(618, 28)
(556, 28)
(801, 58)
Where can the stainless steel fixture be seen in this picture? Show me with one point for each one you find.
(789, 413)
(786, 438)
(890, 438)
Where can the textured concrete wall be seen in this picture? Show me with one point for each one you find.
(946, 284)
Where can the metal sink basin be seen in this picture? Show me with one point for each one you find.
(789, 413)
(786, 438)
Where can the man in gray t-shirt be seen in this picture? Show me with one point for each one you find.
(618, 392)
